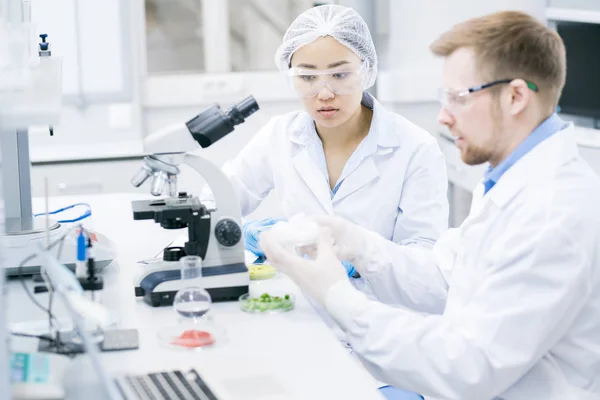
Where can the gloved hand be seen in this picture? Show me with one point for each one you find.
(314, 276)
(350, 240)
(252, 231)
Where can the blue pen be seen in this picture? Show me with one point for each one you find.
(80, 265)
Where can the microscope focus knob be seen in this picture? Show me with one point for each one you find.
(228, 232)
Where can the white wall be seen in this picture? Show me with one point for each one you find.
(97, 120)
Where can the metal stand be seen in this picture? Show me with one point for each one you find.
(5, 385)
(16, 179)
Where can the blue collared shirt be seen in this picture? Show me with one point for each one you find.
(547, 128)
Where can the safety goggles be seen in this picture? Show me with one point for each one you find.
(453, 100)
(340, 80)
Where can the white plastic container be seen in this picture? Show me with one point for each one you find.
(299, 234)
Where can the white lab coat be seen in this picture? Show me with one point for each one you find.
(509, 302)
(399, 190)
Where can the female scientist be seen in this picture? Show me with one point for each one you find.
(344, 154)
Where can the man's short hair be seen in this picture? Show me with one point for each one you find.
(511, 44)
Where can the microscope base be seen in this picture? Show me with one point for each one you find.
(159, 283)
(162, 299)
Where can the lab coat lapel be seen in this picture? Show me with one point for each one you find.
(477, 198)
(313, 178)
(551, 153)
(365, 173)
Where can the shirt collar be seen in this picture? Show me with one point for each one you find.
(547, 128)
(302, 128)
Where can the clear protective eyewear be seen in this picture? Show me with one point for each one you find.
(453, 100)
(340, 80)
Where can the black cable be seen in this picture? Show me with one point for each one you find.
(28, 335)
(40, 337)
(52, 319)
(58, 342)
(24, 285)
(58, 241)
(48, 339)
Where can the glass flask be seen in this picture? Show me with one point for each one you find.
(192, 301)
(195, 330)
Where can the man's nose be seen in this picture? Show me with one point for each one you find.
(445, 117)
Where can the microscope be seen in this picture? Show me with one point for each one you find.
(215, 235)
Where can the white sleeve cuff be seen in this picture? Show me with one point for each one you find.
(369, 262)
(345, 303)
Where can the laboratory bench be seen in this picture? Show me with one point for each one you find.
(292, 355)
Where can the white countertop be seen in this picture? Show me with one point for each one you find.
(287, 356)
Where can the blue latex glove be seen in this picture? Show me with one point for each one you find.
(252, 230)
(349, 269)
(394, 393)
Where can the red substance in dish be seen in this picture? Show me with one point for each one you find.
(194, 338)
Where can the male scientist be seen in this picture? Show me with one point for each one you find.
(506, 306)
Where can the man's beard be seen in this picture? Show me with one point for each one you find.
(472, 155)
(475, 155)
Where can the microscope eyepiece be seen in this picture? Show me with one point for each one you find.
(213, 124)
(242, 110)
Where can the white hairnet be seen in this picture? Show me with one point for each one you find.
(343, 24)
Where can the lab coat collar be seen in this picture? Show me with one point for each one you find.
(382, 138)
(366, 172)
(537, 164)
(382, 133)
(312, 176)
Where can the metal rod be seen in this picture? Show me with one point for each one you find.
(16, 179)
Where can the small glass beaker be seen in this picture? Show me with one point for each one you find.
(195, 329)
(192, 301)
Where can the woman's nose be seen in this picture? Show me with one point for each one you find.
(325, 92)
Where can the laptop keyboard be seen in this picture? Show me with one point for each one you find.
(175, 385)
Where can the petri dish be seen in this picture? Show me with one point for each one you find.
(193, 336)
(260, 272)
(267, 304)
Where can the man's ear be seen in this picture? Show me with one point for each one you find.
(519, 96)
